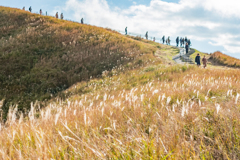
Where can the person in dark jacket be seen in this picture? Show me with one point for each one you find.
(189, 43)
(198, 60)
(30, 9)
(177, 41)
(146, 35)
(163, 39)
(126, 31)
(186, 47)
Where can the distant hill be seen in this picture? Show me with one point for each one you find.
(41, 55)
(223, 59)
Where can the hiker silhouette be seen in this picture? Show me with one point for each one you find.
(197, 60)
(186, 46)
(177, 41)
(146, 35)
(163, 39)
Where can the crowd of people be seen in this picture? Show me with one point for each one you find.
(180, 42)
(56, 15)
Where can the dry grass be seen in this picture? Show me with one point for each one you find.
(225, 60)
(193, 56)
(177, 112)
(41, 56)
(132, 112)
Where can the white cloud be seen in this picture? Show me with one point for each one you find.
(211, 21)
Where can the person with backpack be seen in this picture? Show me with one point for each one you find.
(56, 15)
(30, 9)
(146, 35)
(61, 15)
(204, 60)
(126, 31)
(177, 41)
(82, 21)
(163, 39)
(197, 60)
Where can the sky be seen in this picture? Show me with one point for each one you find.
(212, 25)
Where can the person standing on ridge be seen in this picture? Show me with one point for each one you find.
(23, 8)
(126, 31)
(204, 60)
(163, 39)
(177, 41)
(189, 43)
(82, 21)
(30, 9)
(56, 15)
(146, 35)
(169, 41)
(183, 42)
(61, 15)
(40, 12)
(154, 39)
(46, 13)
(197, 60)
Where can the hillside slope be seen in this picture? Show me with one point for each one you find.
(219, 58)
(145, 108)
(41, 56)
(156, 112)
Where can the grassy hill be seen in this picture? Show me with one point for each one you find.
(41, 56)
(222, 59)
(137, 105)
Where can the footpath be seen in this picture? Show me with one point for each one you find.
(182, 57)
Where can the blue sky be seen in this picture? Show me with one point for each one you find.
(211, 25)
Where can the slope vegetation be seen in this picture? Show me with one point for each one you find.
(222, 59)
(41, 56)
(156, 112)
(142, 109)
